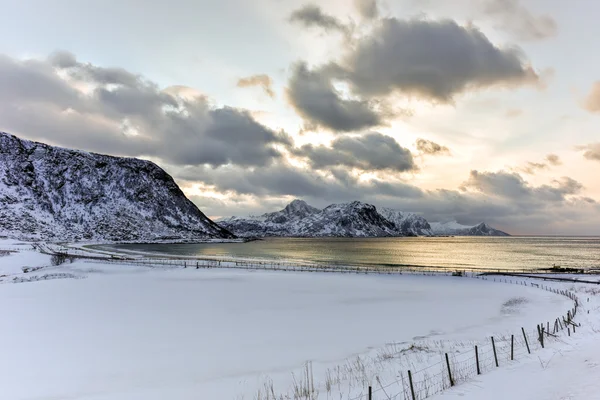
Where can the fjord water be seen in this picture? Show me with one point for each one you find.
(448, 252)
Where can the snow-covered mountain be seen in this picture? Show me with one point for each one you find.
(354, 219)
(455, 229)
(51, 193)
(408, 224)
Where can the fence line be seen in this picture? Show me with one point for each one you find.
(428, 381)
(461, 367)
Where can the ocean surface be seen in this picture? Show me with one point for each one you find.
(447, 252)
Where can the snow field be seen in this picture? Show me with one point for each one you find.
(128, 332)
(566, 369)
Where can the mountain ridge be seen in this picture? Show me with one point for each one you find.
(54, 193)
(353, 219)
(455, 229)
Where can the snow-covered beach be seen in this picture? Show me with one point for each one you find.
(90, 330)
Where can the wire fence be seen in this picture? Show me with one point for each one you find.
(459, 367)
(278, 264)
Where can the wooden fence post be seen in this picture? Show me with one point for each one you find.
(412, 389)
(370, 393)
(477, 360)
(495, 355)
(542, 336)
(526, 342)
(449, 372)
(569, 331)
(512, 347)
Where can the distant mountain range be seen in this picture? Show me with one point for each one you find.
(355, 219)
(455, 229)
(51, 193)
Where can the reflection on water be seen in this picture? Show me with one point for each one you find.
(451, 252)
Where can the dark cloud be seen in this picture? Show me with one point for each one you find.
(367, 9)
(311, 15)
(503, 184)
(512, 186)
(36, 80)
(592, 101)
(591, 151)
(502, 199)
(315, 98)
(89, 72)
(434, 60)
(263, 81)
(111, 110)
(519, 21)
(283, 179)
(425, 146)
(372, 151)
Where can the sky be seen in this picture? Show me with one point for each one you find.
(466, 110)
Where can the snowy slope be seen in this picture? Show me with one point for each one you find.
(456, 229)
(408, 224)
(52, 193)
(354, 219)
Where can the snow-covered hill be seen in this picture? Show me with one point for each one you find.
(354, 219)
(51, 193)
(456, 229)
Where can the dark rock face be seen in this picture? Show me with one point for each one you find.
(51, 193)
(483, 229)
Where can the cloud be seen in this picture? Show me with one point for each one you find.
(311, 15)
(503, 184)
(431, 60)
(263, 81)
(285, 180)
(513, 186)
(591, 151)
(553, 159)
(532, 167)
(314, 97)
(519, 21)
(502, 199)
(434, 60)
(592, 101)
(372, 151)
(367, 8)
(425, 146)
(111, 110)
(513, 113)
